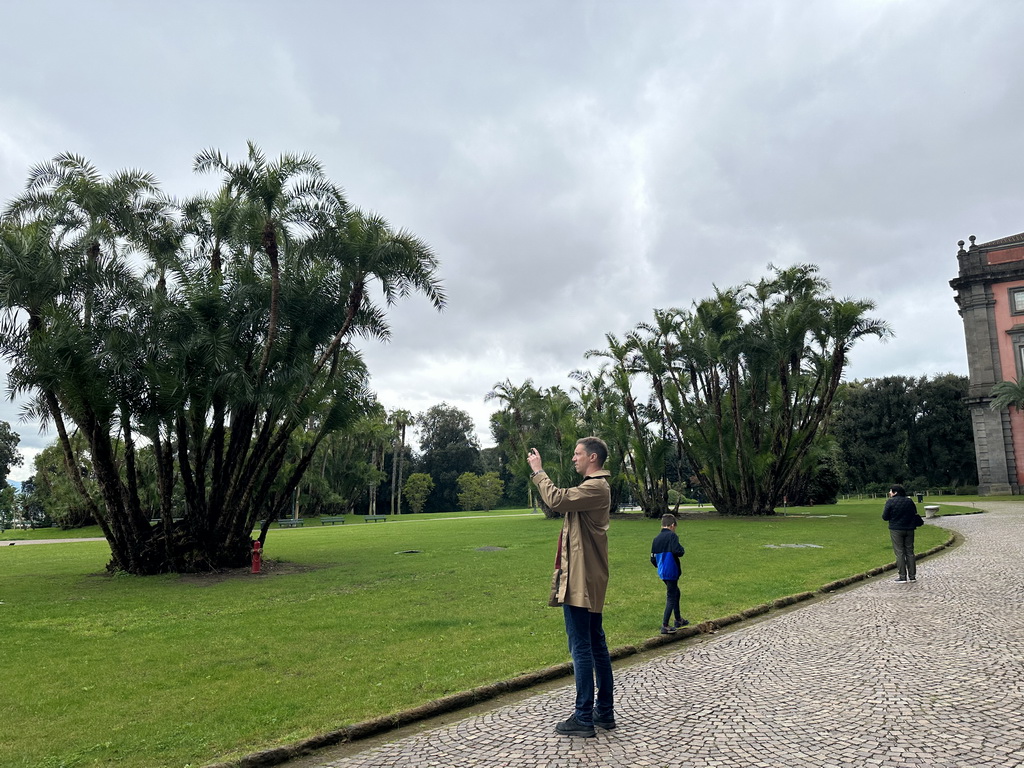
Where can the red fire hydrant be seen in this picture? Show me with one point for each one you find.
(256, 559)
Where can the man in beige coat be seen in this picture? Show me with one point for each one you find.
(581, 580)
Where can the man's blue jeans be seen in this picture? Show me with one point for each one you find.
(589, 659)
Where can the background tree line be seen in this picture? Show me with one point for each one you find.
(9, 457)
(364, 468)
(740, 401)
(914, 431)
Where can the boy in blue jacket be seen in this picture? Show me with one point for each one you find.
(665, 553)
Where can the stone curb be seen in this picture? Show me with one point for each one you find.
(832, 586)
(463, 699)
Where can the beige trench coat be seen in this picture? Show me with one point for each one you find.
(583, 580)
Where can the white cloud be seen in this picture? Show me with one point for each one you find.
(22, 473)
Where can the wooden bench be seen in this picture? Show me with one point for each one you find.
(332, 519)
(290, 523)
(375, 518)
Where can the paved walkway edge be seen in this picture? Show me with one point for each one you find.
(464, 699)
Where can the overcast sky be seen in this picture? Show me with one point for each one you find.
(573, 164)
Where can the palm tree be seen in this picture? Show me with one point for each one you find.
(376, 432)
(560, 429)
(519, 412)
(283, 192)
(1007, 394)
(232, 344)
(75, 357)
(33, 281)
(602, 414)
(367, 252)
(400, 419)
(644, 449)
(762, 364)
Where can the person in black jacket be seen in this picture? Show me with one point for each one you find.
(901, 515)
(665, 553)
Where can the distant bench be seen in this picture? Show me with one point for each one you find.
(375, 518)
(291, 523)
(332, 519)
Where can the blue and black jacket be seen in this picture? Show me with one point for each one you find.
(665, 553)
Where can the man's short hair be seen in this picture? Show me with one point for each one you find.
(899, 490)
(595, 445)
(667, 521)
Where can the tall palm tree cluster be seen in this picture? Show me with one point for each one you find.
(196, 344)
(547, 419)
(734, 392)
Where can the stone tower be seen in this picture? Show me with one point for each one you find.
(990, 294)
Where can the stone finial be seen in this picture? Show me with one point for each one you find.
(972, 238)
(961, 252)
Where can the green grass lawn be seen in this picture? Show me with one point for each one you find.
(182, 671)
(19, 534)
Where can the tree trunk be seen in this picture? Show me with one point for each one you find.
(270, 246)
(401, 463)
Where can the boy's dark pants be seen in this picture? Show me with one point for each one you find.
(671, 601)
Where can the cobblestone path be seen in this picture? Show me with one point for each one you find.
(927, 674)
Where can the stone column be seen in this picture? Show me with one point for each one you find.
(993, 441)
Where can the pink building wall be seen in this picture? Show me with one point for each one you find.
(987, 274)
(1005, 320)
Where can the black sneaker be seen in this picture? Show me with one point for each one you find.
(608, 725)
(682, 623)
(667, 630)
(573, 727)
(900, 580)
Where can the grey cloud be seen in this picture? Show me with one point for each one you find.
(573, 154)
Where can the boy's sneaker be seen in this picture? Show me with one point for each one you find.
(573, 727)
(682, 623)
(608, 725)
(667, 630)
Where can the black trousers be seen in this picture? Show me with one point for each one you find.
(672, 600)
